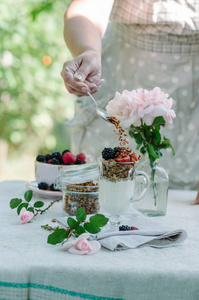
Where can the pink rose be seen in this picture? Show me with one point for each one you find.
(125, 107)
(81, 245)
(25, 215)
(132, 107)
(155, 104)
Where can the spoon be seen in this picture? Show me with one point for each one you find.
(102, 113)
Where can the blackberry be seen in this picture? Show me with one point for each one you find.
(55, 161)
(116, 151)
(40, 158)
(57, 155)
(65, 151)
(48, 156)
(124, 228)
(52, 187)
(78, 161)
(71, 163)
(43, 186)
(108, 153)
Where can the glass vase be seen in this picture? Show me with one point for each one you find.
(154, 202)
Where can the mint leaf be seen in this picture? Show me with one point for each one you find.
(91, 228)
(19, 208)
(98, 220)
(15, 202)
(80, 214)
(72, 223)
(57, 236)
(158, 121)
(38, 204)
(28, 195)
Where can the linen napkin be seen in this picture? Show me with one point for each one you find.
(150, 233)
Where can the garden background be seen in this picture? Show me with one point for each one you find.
(34, 104)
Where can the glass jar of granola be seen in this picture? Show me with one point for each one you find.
(79, 186)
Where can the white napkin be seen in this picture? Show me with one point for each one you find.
(151, 233)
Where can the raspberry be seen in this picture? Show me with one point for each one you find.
(68, 157)
(134, 228)
(43, 186)
(40, 158)
(49, 161)
(123, 159)
(78, 161)
(55, 161)
(108, 153)
(57, 155)
(133, 156)
(82, 156)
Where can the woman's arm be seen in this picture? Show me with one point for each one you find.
(85, 24)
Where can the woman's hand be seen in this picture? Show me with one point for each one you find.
(87, 69)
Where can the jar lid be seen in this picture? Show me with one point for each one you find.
(80, 174)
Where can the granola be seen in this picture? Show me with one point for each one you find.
(81, 195)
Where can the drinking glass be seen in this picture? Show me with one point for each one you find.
(116, 187)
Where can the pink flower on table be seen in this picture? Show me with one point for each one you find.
(132, 107)
(25, 215)
(81, 245)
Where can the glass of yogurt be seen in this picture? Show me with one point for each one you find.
(116, 187)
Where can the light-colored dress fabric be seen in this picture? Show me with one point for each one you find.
(148, 44)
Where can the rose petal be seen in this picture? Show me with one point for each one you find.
(74, 250)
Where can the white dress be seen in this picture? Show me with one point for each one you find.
(150, 43)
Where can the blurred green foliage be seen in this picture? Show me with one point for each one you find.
(34, 104)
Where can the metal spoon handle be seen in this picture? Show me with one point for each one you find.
(89, 94)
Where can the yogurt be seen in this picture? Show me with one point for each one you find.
(115, 197)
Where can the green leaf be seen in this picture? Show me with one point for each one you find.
(158, 121)
(72, 223)
(133, 128)
(57, 236)
(31, 209)
(166, 141)
(90, 228)
(157, 136)
(138, 146)
(143, 150)
(98, 220)
(80, 214)
(148, 132)
(131, 134)
(19, 208)
(79, 230)
(15, 202)
(151, 151)
(28, 195)
(38, 204)
(138, 138)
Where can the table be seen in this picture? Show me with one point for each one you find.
(32, 269)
